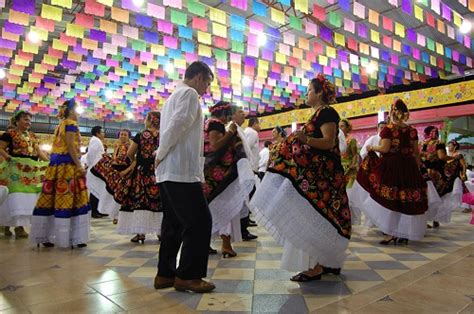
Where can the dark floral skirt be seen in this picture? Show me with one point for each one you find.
(318, 176)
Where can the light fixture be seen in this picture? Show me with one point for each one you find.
(370, 68)
(46, 147)
(79, 109)
(2, 74)
(138, 3)
(169, 68)
(109, 94)
(262, 39)
(466, 27)
(130, 115)
(33, 37)
(246, 81)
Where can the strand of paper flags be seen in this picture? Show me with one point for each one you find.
(119, 66)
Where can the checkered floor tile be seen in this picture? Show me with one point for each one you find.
(253, 281)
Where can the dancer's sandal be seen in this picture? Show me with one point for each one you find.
(302, 277)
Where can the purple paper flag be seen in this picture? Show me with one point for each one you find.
(97, 35)
(13, 28)
(411, 35)
(407, 7)
(267, 54)
(25, 6)
(325, 33)
(345, 5)
(362, 30)
(446, 12)
(9, 44)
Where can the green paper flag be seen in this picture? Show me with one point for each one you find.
(220, 54)
(419, 68)
(296, 23)
(430, 44)
(179, 18)
(237, 47)
(138, 45)
(334, 19)
(355, 69)
(196, 8)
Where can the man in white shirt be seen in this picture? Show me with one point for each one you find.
(95, 150)
(180, 163)
(251, 133)
(374, 140)
(264, 157)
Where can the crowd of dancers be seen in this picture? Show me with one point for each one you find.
(188, 180)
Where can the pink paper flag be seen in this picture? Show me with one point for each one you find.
(239, 4)
(170, 42)
(420, 40)
(349, 25)
(252, 51)
(451, 32)
(359, 10)
(393, 2)
(289, 38)
(119, 40)
(252, 40)
(311, 28)
(110, 48)
(130, 31)
(469, 62)
(165, 27)
(467, 41)
(255, 27)
(435, 6)
(173, 3)
(156, 11)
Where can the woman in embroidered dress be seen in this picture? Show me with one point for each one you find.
(443, 171)
(392, 192)
(453, 151)
(141, 211)
(350, 158)
(62, 213)
(302, 199)
(228, 174)
(21, 172)
(109, 170)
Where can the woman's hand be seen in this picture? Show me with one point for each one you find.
(301, 136)
(81, 170)
(233, 128)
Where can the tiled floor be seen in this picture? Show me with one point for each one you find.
(114, 275)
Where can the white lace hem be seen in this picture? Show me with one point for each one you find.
(229, 203)
(411, 227)
(17, 209)
(139, 222)
(449, 203)
(63, 232)
(289, 217)
(232, 229)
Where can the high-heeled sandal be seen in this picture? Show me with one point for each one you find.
(138, 238)
(387, 242)
(403, 240)
(329, 270)
(228, 254)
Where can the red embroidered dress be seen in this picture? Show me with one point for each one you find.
(394, 180)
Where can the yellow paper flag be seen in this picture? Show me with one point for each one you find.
(397, 46)
(158, 50)
(364, 48)
(204, 51)
(280, 58)
(298, 53)
(277, 16)
(47, 59)
(374, 17)
(108, 3)
(399, 30)
(74, 30)
(59, 45)
(153, 64)
(339, 39)
(42, 34)
(204, 38)
(89, 44)
(74, 57)
(433, 60)
(302, 6)
(142, 69)
(331, 52)
(305, 65)
(180, 64)
(303, 43)
(219, 30)
(108, 27)
(51, 13)
(457, 19)
(439, 49)
(412, 65)
(263, 65)
(375, 36)
(40, 69)
(30, 48)
(323, 60)
(62, 3)
(218, 16)
(418, 13)
(347, 75)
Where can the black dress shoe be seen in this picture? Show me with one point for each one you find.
(249, 237)
(96, 215)
(329, 270)
(104, 215)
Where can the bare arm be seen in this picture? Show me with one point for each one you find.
(442, 155)
(42, 155)
(383, 148)
(217, 140)
(132, 151)
(329, 131)
(3, 150)
(355, 156)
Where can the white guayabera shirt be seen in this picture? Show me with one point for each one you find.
(181, 149)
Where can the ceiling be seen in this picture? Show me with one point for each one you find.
(113, 57)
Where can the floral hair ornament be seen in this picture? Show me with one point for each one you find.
(154, 118)
(455, 144)
(14, 119)
(219, 108)
(400, 111)
(328, 88)
(66, 106)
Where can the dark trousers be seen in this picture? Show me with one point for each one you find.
(94, 202)
(186, 220)
(244, 222)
